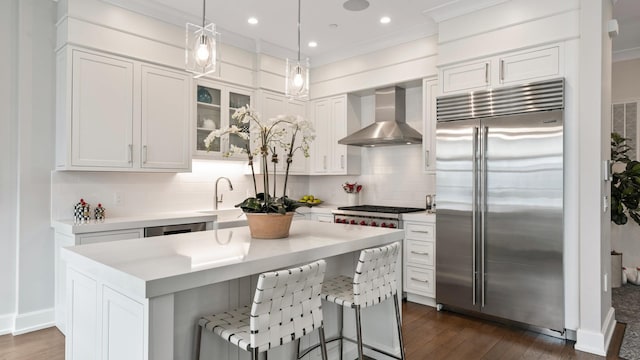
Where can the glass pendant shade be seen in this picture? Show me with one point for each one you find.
(297, 79)
(201, 49)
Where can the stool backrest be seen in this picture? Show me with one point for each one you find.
(375, 277)
(286, 305)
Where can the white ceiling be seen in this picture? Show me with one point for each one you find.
(355, 32)
(627, 44)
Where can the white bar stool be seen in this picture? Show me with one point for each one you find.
(373, 282)
(286, 306)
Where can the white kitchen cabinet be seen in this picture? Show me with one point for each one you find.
(333, 119)
(430, 91)
(504, 69)
(117, 114)
(68, 239)
(273, 104)
(165, 125)
(215, 105)
(419, 262)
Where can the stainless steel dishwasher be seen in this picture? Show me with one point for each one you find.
(174, 229)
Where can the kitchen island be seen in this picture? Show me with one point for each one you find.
(141, 298)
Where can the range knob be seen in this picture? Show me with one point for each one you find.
(392, 225)
(383, 225)
(373, 223)
(363, 222)
(352, 222)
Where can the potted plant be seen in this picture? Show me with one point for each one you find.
(269, 213)
(625, 183)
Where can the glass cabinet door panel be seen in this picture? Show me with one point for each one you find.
(236, 101)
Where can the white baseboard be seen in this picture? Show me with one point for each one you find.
(424, 300)
(34, 320)
(6, 323)
(597, 342)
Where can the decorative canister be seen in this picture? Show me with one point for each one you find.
(82, 212)
(353, 199)
(99, 213)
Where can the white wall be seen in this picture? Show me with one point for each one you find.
(27, 162)
(8, 161)
(154, 193)
(626, 87)
(390, 175)
(626, 80)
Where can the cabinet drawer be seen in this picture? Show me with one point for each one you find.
(105, 236)
(420, 252)
(420, 281)
(419, 231)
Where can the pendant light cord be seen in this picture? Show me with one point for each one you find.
(298, 31)
(204, 8)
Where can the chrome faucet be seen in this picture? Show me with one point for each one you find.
(216, 201)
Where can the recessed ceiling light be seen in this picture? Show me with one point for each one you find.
(313, 44)
(385, 20)
(355, 5)
(252, 20)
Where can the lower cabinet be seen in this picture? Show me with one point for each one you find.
(62, 240)
(419, 262)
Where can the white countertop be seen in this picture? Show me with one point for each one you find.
(132, 222)
(151, 267)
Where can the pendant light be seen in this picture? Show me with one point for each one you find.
(201, 47)
(297, 73)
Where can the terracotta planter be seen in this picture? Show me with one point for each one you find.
(269, 225)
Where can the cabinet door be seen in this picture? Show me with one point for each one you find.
(466, 77)
(429, 93)
(102, 111)
(531, 65)
(338, 124)
(237, 99)
(321, 149)
(208, 117)
(165, 119)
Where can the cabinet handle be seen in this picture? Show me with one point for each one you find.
(501, 70)
(144, 154)
(416, 279)
(421, 231)
(130, 153)
(419, 252)
(342, 162)
(426, 158)
(486, 73)
(324, 162)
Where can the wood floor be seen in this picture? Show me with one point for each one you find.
(428, 334)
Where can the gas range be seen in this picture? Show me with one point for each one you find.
(372, 215)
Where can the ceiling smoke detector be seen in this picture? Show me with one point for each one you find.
(355, 5)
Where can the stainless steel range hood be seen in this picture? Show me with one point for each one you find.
(389, 127)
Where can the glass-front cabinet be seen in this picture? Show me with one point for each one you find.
(215, 105)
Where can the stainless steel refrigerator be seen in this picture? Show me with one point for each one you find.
(499, 222)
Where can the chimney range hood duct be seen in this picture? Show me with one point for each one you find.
(389, 127)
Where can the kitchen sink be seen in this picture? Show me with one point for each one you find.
(227, 218)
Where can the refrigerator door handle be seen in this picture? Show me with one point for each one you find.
(483, 210)
(474, 212)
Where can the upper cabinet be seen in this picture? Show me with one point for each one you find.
(333, 119)
(429, 92)
(116, 114)
(511, 68)
(215, 106)
(273, 104)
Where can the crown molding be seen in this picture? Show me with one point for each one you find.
(455, 8)
(626, 54)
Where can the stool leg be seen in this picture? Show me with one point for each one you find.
(359, 333)
(340, 326)
(395, 303)
(198, 341)
(255, 355)
(323, 343)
